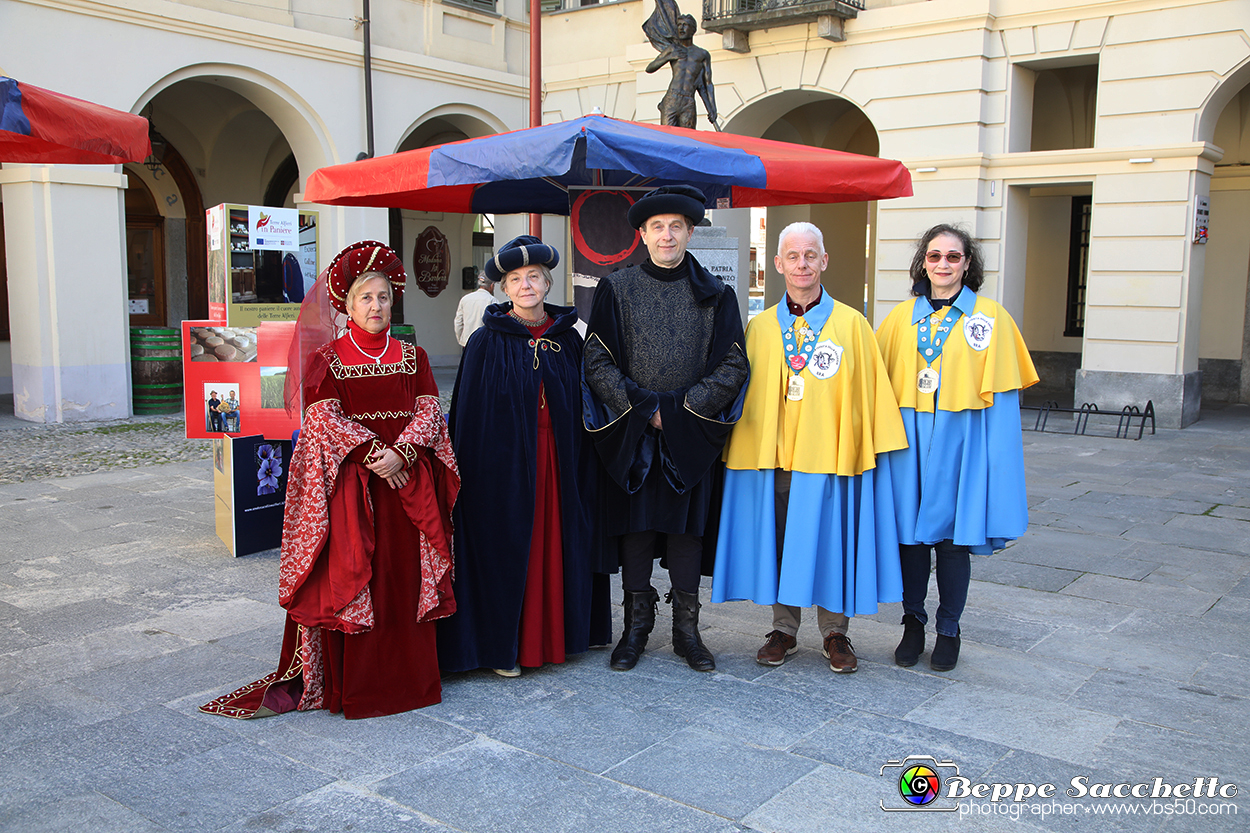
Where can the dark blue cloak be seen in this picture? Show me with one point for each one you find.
(494, 430)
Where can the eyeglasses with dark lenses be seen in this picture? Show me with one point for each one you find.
(951, 257)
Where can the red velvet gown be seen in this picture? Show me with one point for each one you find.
(366, 569)
(541, 636)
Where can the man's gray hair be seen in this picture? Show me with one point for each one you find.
(799, 228)
(483, 281)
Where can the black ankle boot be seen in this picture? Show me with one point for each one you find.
(945, 654)
(639, 620)
(911, 646)
(686, 641)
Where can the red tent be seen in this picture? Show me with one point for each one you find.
(38, 126)
(531, 170)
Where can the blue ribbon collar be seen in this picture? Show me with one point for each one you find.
(816, 317)
(930, 337)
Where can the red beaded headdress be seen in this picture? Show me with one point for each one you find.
(355, 260)
(323, 312)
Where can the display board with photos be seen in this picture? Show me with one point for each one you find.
(233, 380)
(261, 262)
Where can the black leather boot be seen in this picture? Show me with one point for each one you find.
(911, 646)
(686, 641)
(945, 654)
(639, 620)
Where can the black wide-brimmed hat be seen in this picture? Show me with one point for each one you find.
(668, 199)
(521, 251)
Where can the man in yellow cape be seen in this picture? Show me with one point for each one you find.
(807, 517)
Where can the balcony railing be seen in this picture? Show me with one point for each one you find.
(487, 6)
(736, 19)
(760, 14)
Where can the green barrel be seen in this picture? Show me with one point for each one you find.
(156, 370)
(404, 332)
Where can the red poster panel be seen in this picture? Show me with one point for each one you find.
(233, 379)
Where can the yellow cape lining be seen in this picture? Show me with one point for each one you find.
(842, 422)
(970, 378)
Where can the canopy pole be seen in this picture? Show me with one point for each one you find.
(536, 85)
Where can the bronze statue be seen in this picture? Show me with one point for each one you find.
(673, 35)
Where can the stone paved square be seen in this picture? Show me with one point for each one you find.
(1110, 642)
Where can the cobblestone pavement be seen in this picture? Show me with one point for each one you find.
(42, 451)
(30, 451)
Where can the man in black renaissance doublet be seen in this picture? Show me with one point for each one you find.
(665, 375)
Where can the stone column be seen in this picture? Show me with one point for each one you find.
(1144, 298)
(65, 245)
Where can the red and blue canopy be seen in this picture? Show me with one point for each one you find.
(532, 170)
(40, 127)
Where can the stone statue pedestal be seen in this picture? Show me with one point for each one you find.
(719, 254)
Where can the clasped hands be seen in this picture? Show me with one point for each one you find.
(389, 465)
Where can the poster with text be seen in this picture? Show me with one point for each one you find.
(272, 228)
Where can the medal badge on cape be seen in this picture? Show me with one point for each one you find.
(930, 338)
(797, 358)
(794, 388)
(826, 359)
(978, 329)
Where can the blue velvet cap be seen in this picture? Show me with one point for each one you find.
(518, 252)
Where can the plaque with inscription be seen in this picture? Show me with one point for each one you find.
(431, 261)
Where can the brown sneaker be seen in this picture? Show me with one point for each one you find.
(777, 648)
(841, 654)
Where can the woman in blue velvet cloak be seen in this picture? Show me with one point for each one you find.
(524, 588)
(957, 363)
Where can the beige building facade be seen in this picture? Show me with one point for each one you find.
(250, 98)
(1077, 141)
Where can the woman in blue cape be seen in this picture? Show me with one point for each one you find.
(957, 363)
(524, 589)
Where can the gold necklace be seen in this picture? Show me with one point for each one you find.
(526, 321)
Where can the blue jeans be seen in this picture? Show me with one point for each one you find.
(954, 571)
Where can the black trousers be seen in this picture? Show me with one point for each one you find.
(639, 550)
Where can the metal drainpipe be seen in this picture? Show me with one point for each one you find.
(368, 84)
(536, 80)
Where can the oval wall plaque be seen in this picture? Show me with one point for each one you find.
(431, 261)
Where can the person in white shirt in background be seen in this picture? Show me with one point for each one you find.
(469, 312)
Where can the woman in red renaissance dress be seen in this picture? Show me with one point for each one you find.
(366, 539)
